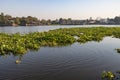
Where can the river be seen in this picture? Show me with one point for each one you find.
(71, 62)
(28, 29)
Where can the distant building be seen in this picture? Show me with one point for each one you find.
(92, 22)
(103, 21)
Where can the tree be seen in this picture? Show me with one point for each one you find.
(2, 19)
(23, 21)
(69, 21)
(55, 22)
(43, 22)
(17, 21)
(117, 20)
(49, 22)
(60, 21)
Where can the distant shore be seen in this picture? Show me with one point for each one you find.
(8, 20)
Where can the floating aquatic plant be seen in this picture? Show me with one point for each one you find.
(21, 43)
(107, 75)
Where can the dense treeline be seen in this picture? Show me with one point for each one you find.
(7, 20)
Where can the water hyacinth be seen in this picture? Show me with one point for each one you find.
(107, 75)
(21, 43)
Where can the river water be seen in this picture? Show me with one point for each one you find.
(28, 29)
(71, 62)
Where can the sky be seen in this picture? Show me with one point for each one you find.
(55, 9)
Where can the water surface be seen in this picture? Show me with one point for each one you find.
(28, 29)
(72, 62)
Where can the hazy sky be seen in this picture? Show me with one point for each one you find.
(52, 9)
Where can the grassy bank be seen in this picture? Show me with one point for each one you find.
(20, 44)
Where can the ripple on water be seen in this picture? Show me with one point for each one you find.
(61, 63)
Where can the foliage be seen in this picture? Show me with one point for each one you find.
(7, 20)
(107, 75)
(20, 44)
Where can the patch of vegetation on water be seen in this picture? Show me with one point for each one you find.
(21, 43)
(118, 50)
(109, 75)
